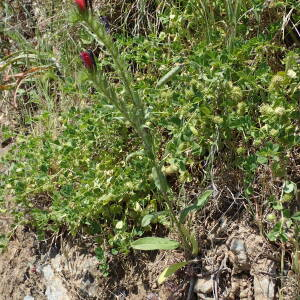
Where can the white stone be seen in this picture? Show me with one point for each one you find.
(264, 285)
(55, 289)
(203, 285)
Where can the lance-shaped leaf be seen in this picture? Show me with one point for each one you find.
(167, 272)
(201, 201)
(169, 75)
(154, 243)
(296, 216)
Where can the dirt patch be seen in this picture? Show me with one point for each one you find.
(237, 264)
(17, 278)
(60, 270)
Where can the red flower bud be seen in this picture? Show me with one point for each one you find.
(81, 4)
(88, 60)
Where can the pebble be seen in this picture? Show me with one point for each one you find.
(240, 259)
(203, 285)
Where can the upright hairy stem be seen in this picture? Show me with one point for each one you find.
(135, 115)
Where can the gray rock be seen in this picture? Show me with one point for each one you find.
(28, 298)
(264, 285)
(56, 263)
(203, 285)
(55, 289)
(240, 258)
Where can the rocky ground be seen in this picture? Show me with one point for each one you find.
(236, 263)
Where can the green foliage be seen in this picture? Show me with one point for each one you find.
(80, 178)
(188, 240)
(201, 202)
(288, 222)
(103, 264)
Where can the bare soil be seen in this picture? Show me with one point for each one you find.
(234, 262)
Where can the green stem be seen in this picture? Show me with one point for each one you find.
(121, 67)
(137, 117)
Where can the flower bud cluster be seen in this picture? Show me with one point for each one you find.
(88, 60)
(82, 5)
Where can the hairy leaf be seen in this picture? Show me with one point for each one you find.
(154, 243)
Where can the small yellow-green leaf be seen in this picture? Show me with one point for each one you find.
(120, 225)
(147, 220)
(202, 200)
(167, 272)
(296, 216)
